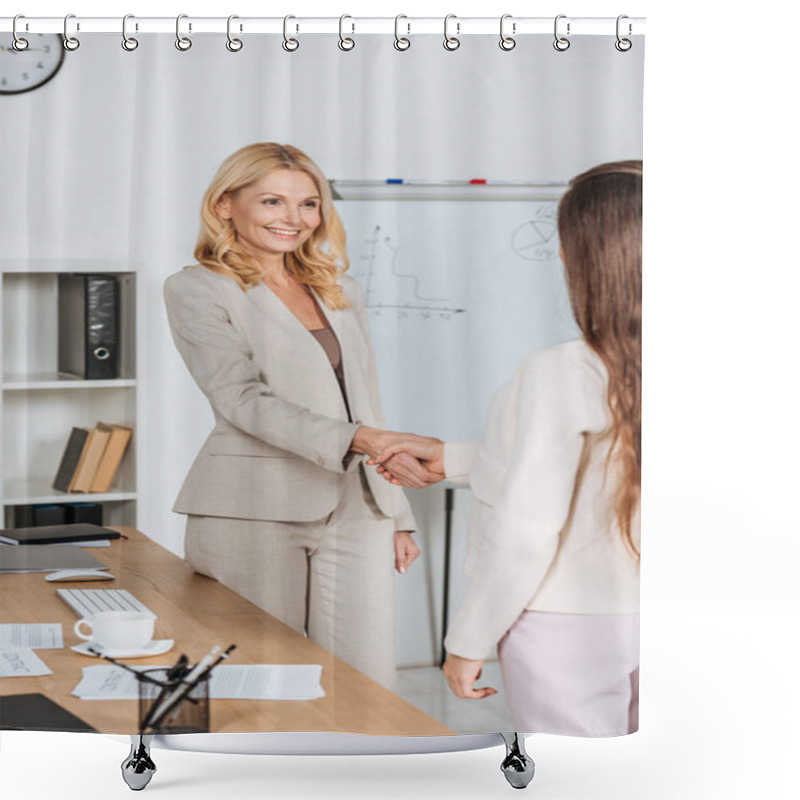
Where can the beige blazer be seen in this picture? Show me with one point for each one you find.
(542, 531)
(279, 446)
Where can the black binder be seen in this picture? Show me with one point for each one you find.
(88, 325)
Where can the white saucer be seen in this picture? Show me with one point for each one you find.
(155, 647)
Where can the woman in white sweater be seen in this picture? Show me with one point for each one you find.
(554, 528)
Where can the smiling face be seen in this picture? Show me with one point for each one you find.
(275, 214)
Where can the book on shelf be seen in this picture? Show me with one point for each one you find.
(119, 436)
(71, 459)
(92, 453)
(92, 458)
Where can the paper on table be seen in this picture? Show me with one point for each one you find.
(106, 682)
(267, 682)
(34, 635)
(21, 663)
(228, 682)
(95, 543)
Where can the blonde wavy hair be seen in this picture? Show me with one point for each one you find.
(317, 263)
(600, 227)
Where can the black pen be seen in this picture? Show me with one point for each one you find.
(204, 673)
(175, 674)
(194, 677)
(136, 672)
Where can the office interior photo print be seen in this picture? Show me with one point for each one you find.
(323, 351)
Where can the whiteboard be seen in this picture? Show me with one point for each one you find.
(458, 291)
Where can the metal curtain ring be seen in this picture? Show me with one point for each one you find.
(182, 42)
(128, 42)
(70, 42)
(451, 42)
(623, 45)
(19, 43)
(345, 42)
(234, 45)
(289, 44)
(561, 43)
(507, 42)
(401, 42)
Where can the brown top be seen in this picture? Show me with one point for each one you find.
(330, 344)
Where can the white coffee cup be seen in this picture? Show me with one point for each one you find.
(117, 630)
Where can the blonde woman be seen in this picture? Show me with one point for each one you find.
(554, 558)
(279, 506)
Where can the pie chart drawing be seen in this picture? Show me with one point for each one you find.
(536, 240)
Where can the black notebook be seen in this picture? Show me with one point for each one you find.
(57, 534)
(35, 712)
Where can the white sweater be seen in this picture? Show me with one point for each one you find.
(542, 530)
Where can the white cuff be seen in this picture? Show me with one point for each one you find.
(458, 458)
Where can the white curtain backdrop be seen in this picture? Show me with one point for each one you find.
(108, 162)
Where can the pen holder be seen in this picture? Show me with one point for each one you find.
(189, 715)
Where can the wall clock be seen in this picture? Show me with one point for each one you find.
(23, 70)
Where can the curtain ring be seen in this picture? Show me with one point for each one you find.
(70, 42)
(289, 44)
(346, 43)
(401, 42)
(507, 42)
(183, 43)
(623, 45)
(19, 43)
(451, 42)
(234, 45)
(561, 43)
(128, 42)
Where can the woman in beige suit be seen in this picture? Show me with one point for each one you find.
(554, 526)
(279, 505)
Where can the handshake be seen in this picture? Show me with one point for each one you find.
(403, 459)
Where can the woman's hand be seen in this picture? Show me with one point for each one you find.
(404, 470)
(429, 469)
(461, 674)
(374, 441)
(405, 550)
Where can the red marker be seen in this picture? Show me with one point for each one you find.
(478, 181)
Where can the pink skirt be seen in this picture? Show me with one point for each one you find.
(572, 674)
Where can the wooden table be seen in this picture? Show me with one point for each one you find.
(198, 613)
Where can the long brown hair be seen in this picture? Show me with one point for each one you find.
(600, 227)
(317, 263)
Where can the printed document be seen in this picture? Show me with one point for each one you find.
(228, 682)
(36, 636)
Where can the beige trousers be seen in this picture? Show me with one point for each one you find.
(331, 579)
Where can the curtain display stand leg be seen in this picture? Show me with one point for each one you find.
(517, 766)
(138, 768)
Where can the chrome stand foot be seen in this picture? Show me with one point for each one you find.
(517, 766)
(138, 768)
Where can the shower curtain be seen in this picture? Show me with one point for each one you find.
(445, 166)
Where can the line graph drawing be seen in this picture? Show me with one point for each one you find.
(537, 239)
(381, 277)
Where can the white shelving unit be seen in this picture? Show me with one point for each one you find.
(39, 406)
